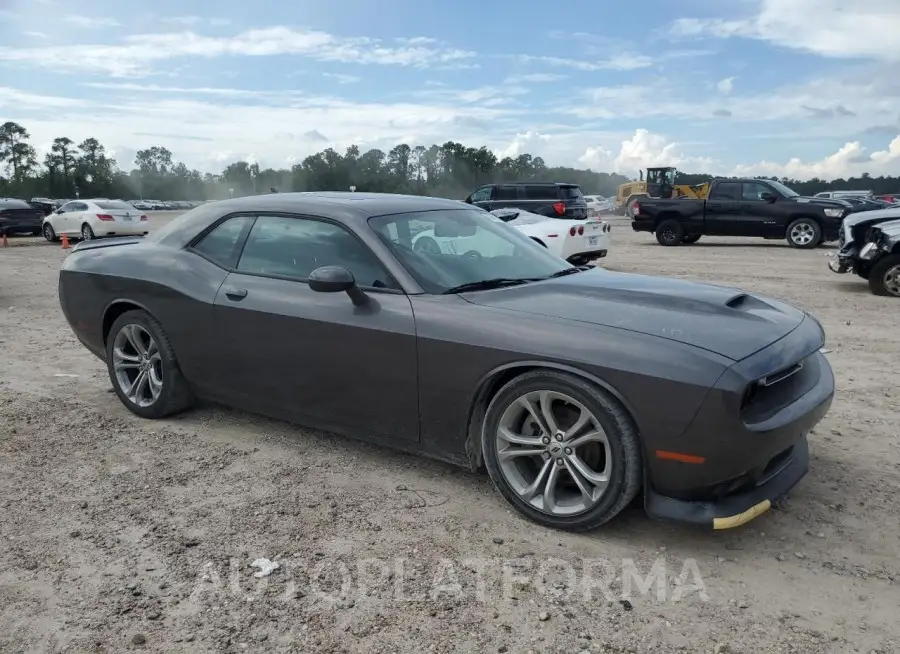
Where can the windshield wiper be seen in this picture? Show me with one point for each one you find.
(488, 284)
(568, 271)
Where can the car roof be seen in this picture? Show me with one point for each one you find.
(343, 206)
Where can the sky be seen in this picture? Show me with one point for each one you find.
(795, 88)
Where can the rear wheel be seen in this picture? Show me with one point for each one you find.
(143, 369)
(563, 452)
(691, 238)
(669, 233)
(884, 278)
(804, 233)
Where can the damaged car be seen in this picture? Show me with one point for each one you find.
(881, 254)
(853, 237)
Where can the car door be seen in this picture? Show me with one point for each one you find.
(758, 217)
(313, 357)
(60, 219)
(722, 215)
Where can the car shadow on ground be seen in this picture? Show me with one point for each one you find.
(454, 487)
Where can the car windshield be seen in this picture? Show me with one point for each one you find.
(448, 248)
(784, 190)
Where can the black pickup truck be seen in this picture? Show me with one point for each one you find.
(742, 207)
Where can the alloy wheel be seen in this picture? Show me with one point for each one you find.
(138, 365)
(802, 234)
(892, 280)
(553, 453)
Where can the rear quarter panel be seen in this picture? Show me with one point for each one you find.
(176, 287)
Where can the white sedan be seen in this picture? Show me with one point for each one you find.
(88, 219)
(576, 241)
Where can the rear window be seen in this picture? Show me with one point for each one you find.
(540, 192)
(114, 205)
(570, 193)
(11, 203)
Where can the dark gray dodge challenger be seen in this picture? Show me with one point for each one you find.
(427, 325)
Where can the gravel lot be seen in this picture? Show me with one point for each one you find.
(118, 534)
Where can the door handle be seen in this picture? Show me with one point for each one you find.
(236, 294)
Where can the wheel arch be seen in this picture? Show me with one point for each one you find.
(115, 309)
(491, 383)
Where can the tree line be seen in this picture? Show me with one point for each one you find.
(453, 170)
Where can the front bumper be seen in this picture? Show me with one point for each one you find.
(778, 477)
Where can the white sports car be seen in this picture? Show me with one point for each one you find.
(576, 241)
(87, 219)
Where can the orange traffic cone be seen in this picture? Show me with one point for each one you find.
(5, 241)
(65, 242)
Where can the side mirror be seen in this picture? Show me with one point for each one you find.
(336, 279)
(768, 197)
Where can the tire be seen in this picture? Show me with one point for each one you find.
(884, 277)
(691, 238)
(804, 234)
(175, 394)
(621, 454)
(670, 233)
(87, 234)
(49, 234)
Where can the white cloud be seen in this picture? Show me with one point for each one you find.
(726, 85)
(342, 79)
(644, 149)
(831, 28)
(135, 55)
(621, 62)
(850, 160)
(91, 23)
(534, 78)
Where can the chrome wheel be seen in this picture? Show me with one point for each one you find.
(553, 453)
(891, 280)
(138, 365)
(803, 234)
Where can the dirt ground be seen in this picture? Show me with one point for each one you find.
(118, 534)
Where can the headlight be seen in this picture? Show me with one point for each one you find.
(834, 213)
(868, 251)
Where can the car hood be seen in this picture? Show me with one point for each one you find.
(879, 215)
(820, 202)
(722, 320)
(890, 229)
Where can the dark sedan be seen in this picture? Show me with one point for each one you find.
(575, 388)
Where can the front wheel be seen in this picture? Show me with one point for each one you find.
(563, 452)
(804, 233)
(884, 278)
(669, 233)
(143, 369)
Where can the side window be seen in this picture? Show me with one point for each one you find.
(540, 192)
(294, 247)
(506, 192)
(483, 194)
(222, 244)
(726, 191)
(752, 191)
